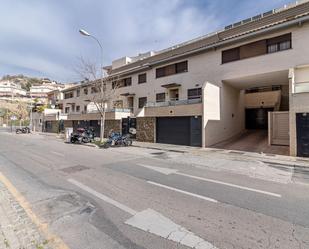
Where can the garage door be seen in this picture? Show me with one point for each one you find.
(179, 130)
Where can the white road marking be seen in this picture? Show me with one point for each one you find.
(231, 185)
(183, 192)
(153, 222)
(167, 171)
(103, 197)
(164, 171)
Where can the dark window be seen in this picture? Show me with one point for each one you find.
(68, 95)
(142, 102)
(127, 81)
(142, 78)
(279, 43)
(195, 93)
(180, 67)
(85, 108)
(160, 97)
(67, 109)
(276, 44)
(77, 92)
(122, 83)
(78, 108)
(230, 55)
(94, 89)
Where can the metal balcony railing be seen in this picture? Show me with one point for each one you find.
(174, 102)
(126, 110)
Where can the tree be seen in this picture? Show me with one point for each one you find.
(104, 87)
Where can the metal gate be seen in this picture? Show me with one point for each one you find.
(179, 130)
(302, 127)
(278, 128)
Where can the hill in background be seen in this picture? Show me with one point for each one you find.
(25, 81)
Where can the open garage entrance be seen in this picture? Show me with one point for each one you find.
(263, 95)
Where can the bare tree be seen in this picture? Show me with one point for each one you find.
(103, 86)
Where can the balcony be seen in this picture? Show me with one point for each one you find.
(186, 107)
(112, 114)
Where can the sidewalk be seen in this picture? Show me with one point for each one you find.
(279, 160)
(17, 231)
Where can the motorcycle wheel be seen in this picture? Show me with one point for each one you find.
(72, 140)
(85, 140)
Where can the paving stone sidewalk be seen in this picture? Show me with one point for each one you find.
(17, 231)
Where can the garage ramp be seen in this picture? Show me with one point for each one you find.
(253, 141)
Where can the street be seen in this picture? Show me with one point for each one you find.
(132, 197)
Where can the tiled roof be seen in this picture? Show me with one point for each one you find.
(293, 12)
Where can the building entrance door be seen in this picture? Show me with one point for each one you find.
(302, 128)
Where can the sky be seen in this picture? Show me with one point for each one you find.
(40, 37)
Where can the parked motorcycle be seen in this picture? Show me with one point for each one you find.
(82, 136)
(24, 130)
(116, 139)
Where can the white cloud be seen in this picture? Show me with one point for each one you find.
(42, 36)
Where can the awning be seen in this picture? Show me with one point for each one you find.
(171, 85)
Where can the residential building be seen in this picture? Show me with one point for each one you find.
(252, 75)
(10, 89)
(41, 91)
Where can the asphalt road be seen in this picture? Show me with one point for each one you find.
(143, 198)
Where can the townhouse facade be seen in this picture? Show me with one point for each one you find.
(253, 74)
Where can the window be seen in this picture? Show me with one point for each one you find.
(160, 97)
(127, 81)
(142, 102)
(68, 95)
(86, 91)
(195, 93)
(67, 110)
(180, 67)
(266, 46)
(279, 43)
(94, 89)
(77, 92)
(230, 55)
(272, 48)
(77, 108)
(118, 104)
(142, 78)
(122, 83)
(85, 109)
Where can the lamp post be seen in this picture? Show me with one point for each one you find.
(102, 87)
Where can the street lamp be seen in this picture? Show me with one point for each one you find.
(85, 33)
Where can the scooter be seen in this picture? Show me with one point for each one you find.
(116, 139)
(24, 130)
(82, 136)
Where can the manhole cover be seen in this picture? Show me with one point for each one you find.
(74, 169)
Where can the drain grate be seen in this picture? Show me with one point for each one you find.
(74, 169)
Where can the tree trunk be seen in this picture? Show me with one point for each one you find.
(102, 126)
